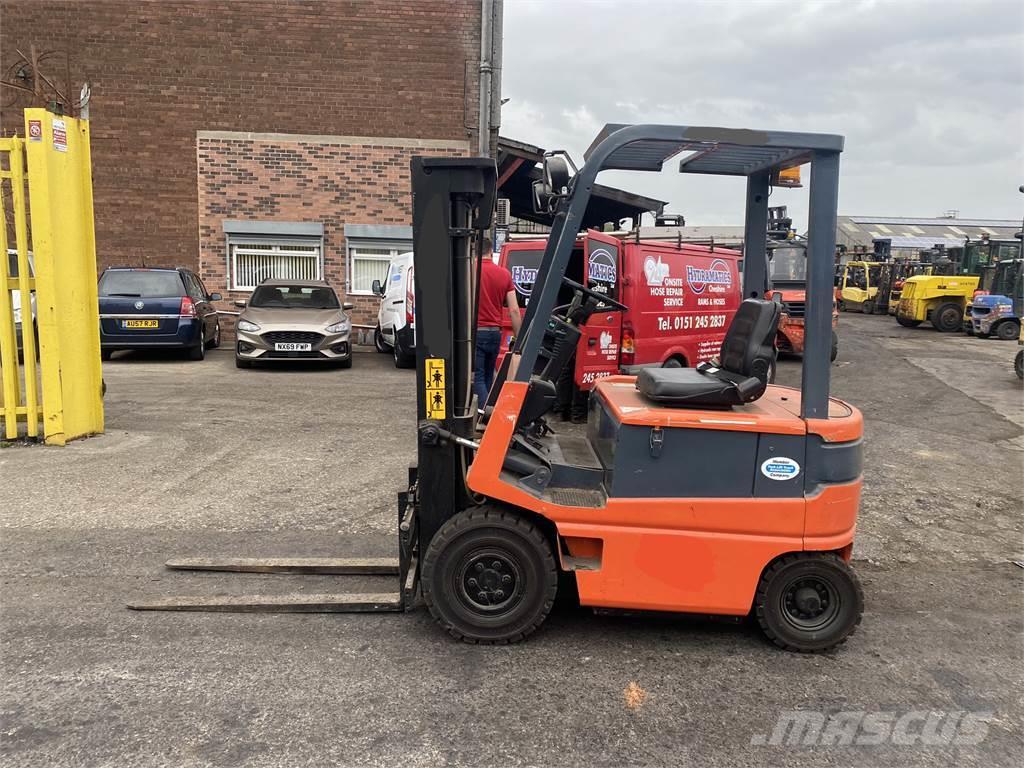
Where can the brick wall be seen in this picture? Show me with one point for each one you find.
(331, 180)
(162, 71)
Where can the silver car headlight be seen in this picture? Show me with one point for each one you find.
(339, 327)
(245, 325)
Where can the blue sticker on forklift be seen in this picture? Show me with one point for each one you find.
(780, 468)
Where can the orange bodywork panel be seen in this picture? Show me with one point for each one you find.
(694, 555)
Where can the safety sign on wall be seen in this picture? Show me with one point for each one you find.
(434, 385)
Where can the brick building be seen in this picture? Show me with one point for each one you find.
(245, 139)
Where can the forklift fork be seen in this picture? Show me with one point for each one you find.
(405, 567)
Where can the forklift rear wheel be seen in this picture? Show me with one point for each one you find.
(907, 322)
(1008, 330)
(948, 317)
(868, 308)
(809, 602)
(489, 576)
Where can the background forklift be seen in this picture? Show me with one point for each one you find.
(943, 297)
(787, 278)
(893, 273)
(998, 310)
(858, 286)
(698, 490)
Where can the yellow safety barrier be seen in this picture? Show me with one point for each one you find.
(49, 268)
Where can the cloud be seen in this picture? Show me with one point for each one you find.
(927, 94)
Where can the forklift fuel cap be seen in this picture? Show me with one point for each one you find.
(780, 468)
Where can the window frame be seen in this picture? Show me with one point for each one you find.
(240, 234)
(353, 245)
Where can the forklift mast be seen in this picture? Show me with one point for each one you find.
(453, 201)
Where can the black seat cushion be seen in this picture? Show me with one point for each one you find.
(741, 376)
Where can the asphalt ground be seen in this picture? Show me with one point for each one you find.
(204, 459)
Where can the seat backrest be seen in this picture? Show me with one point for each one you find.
(749, 346)
(320, 297)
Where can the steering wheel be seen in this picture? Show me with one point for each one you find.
(594, 294)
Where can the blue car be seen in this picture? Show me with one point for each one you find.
(156, 308)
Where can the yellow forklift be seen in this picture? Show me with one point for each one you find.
(944, 297)
(858, 287)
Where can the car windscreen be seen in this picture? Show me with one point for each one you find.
(141, 283)
(789, 265)
(294, 297)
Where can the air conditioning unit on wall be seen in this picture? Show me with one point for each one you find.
(503, 212)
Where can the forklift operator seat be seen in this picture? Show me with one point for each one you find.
(740, 376)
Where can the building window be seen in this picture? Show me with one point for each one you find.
(369, 249)
(278, 250)
(369, 263)
(254, 262)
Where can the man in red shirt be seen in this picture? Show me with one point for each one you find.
(496, 292)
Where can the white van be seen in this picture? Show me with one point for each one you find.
(396, 325)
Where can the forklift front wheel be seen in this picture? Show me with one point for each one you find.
(809, 602)
(489, 576)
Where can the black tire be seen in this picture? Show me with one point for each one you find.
(1018, 364)
(907, 322)
(948, 317)
(507, 551)
(198, 352)
(215, 341)
(240, 363)
(834, 351)
(105, 354)
(672, 362)
(1008, 330)
(402, 358)
(868, 308)
(809, 602)
(378, 341)
(346, 363)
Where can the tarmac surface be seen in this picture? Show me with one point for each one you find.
(204, 459)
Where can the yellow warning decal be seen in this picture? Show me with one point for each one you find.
(435, 387)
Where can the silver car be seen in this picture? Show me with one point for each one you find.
(293, 320)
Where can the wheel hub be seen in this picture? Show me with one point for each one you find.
(810, 603)
(489, 581)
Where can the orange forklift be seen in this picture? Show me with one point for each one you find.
(787, 280)
(695, 490)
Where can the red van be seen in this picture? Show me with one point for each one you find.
(681, 300)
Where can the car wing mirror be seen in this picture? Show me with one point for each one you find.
(215, 297)
(376, 288)
(348, 305)
(240, 304)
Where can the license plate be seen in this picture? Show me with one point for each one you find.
(141, 324)
(292, 346)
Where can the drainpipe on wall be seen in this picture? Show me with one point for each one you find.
(486, 51)
(496, 65)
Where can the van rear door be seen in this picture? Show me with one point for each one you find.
(598, 353)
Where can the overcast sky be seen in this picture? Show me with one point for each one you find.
(928, 94)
